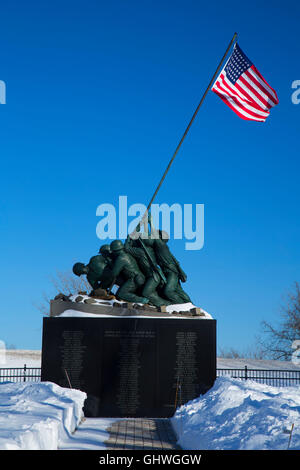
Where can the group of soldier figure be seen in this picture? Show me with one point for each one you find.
(143, 268)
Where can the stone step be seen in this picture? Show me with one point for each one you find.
(141, 434)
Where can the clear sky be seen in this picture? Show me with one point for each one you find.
(98, 95)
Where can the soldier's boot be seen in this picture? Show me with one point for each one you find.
(149, 291)
(132, 298)
(182, 294)
(170, 289)
(127, 292)
(158, 301)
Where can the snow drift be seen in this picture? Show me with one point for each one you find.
(37, 416)
(240, 415)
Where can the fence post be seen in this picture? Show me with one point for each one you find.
(24, 375)
(246, 374)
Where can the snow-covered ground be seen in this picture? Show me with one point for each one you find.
(264, 364)
(239, 415)
(19, 357)
(38, 416)
(234, 414)
(90, 435)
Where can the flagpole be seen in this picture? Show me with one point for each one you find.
(189, 125)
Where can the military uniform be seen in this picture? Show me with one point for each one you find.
(125, 265)
(152, 278)
(171, 269)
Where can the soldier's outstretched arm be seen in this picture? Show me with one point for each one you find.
(128, 242)
(131, 249)
(135, 234)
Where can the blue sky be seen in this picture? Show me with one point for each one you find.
(98, 96)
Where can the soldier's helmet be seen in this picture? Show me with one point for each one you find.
(104, 249)
(116, 246)
(78, 269)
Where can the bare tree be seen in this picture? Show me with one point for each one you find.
(69, 284)
(230, 353)
(65, 283)
(277, 340)
(252, 352)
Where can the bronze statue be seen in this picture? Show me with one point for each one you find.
(171, 268)
(93, 270)
(144, 269)
(97, 271)
(145, 257)
(125, 265)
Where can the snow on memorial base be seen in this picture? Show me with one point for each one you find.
(240, 415)
(37, 416)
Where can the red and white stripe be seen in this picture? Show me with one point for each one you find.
(251, 97)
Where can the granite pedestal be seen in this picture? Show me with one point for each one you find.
(135, 366)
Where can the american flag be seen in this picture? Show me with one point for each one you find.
(243, 88)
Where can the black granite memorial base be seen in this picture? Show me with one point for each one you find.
(130, 367)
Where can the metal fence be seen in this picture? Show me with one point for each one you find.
(20, 374)
(277, 378)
